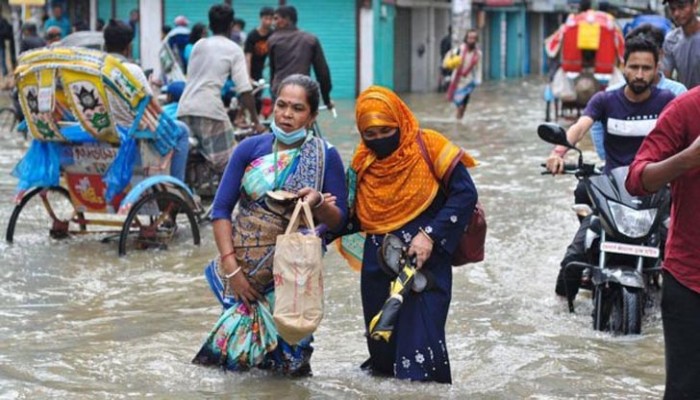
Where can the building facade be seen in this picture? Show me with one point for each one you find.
(394, 43)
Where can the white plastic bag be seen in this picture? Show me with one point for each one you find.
(298, 275)
(563, 87)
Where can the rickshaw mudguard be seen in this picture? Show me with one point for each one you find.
(137, 191)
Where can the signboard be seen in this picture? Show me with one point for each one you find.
(498, 3)
(27, 2)
(460, 6)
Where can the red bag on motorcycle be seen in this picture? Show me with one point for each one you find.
(470, 248)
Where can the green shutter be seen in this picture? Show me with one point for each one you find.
(195, 11)
(384, 44)
(104, 10)
(335, 24)
(333, 21)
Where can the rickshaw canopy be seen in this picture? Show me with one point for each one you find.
(63, 86)
(589, 31)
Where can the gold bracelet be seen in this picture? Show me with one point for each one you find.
(421, 230)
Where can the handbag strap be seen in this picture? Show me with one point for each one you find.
(297, 216)
(426, 157)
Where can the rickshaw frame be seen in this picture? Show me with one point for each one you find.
(89, 148)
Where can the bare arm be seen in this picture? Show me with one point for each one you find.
(578, 130)
(223, 231)
(248, 102)
(248, 61)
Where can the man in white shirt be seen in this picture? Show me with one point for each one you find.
(212, 62)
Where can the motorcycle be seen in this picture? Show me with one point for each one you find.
(624, 243)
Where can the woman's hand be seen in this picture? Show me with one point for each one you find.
(311, 196)
(329, 199)
(323, 206)
(421, 247)
(242, 289)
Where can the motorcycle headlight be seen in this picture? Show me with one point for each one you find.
(632, 223)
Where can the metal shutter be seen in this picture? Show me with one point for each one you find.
(335, 24)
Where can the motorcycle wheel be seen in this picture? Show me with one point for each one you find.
(633, 305)
(626, 311)
(601, 308)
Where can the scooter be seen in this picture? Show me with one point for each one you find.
(624, 243)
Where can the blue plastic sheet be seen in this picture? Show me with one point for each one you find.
(118, 175)
(40, 166)
(166, 135)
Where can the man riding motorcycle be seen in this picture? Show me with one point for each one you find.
(628, 114)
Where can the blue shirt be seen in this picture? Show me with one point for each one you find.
(255, 147)
(625, 123)
(171, 109)
(597, 129)
(63, 23)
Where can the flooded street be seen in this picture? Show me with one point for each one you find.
(80, 322)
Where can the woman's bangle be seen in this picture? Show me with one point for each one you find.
(426, 234)
(222, 258)
(232, 274)
(323, 200)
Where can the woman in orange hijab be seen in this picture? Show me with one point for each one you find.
(413, 183)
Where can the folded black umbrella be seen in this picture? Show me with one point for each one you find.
(382, 325)
(393, 257)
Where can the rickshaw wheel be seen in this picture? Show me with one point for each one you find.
(41, 208)
(153, 222)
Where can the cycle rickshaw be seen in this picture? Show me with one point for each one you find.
(588, 48)
(81, 169)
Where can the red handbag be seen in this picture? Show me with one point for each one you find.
(470, 248)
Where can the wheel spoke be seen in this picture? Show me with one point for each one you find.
(156, 217)
(42, 210)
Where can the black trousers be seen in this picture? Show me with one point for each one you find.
(576, 251)
(680, 312)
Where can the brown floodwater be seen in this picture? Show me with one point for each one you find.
(80, 322)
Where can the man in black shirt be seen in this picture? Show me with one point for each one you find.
(293, 51)
(256, 49)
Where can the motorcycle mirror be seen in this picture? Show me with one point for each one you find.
(554, 134)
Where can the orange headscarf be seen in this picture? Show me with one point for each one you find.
(395, 190)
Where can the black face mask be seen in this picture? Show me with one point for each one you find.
(385, 146)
